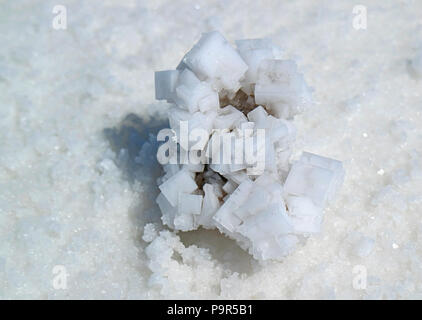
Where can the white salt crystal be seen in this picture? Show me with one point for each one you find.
(191, 121)
(306, 216)
(168, 211)
(189, 204)
(334, 165)
(253, 52)
(194, 167)
(225, 215)
(203, 122)
(301, 207)
(180, 182)
(257, 201)
(237, 177)
(309, 181)
(191, 93)
(165, 84)
(176, 115)
(210, 206)
(262, 228)
(281, 88)
(209, 102)
(214, 59)
(229, 118)
(229, 186)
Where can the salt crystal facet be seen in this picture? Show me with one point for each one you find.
(215, 60)
(267, 205)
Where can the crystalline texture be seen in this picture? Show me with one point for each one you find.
(231, 95)
(281, 88)
(215, 60)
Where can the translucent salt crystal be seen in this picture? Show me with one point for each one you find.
(215, 60)
(305, 215)
(210, 206)
(168, 211)
(191, 93)
(229, 118)
(331, 164)
(253, 52)
(314, 177)
(225, 215)
(229, 186)
(259, 116)
(180, 182)
(189, 204)
(281, 88)
(165, 84)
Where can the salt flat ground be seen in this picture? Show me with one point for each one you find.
(76, 187)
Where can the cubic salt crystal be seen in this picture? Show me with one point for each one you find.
(171, 169)
(309, 181)
(209, 102)
(225, 215)
(168, 211)
(194, 167)
(229, 187)
(192, 121)
(245, 130)
(176, 115)
(201, 121)
(237, 177)
(258, 116)
(191, 93)
(221, 168)
(256, 202)
(233, 167)
(180, 182)
(229, 118)
(334, 165)
(165, 84)
(210, 206)
(213, 59)
(287, 243)
(253, 52)
(302, 207)
(189, 204)
(262, 229)
(281, 88)
(306, 217)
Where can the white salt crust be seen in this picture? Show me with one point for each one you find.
(66, 198)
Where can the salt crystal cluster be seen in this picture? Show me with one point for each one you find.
(270, 205)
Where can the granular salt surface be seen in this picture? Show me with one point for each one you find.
(77, 167)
